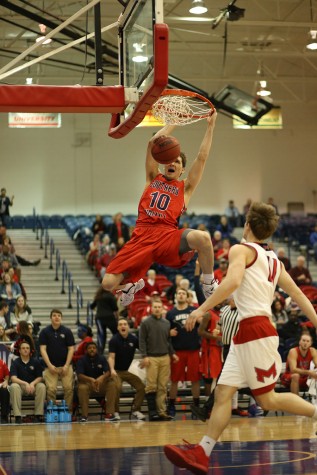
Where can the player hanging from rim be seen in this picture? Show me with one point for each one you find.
(156, 237)
(253, 360)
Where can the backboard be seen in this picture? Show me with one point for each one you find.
(143, 58)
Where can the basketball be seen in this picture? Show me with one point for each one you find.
(165, 149)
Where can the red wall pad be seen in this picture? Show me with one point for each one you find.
(33, 98)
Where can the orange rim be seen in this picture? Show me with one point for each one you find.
(185, 93)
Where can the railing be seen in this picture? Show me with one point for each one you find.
(52, 252)
(79, 302)
(57, 263)
(64, 276)
(70, 290)
(90, 315)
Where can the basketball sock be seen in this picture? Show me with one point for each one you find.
(207, 444)
(315, 414)
(208, 278)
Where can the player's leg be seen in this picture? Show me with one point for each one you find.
(288, 402)
(193, 239)
(112, 281)
(295, 378)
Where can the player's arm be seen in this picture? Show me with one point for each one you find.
(196, 170)
(239, 256)
(289, 286)
(151, 166)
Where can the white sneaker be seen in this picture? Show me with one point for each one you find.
(116, 416)
(208, 289)
(127, 296)
(138, 416)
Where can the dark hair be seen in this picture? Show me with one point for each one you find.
(85, 328)
(184, 159)
(90, 343)
(55, 310)
(3, 304)
(262, 219)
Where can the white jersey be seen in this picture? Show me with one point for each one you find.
(255, 295)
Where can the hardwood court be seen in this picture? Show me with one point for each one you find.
(284, 445)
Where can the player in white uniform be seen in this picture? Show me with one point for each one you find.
(253, 360)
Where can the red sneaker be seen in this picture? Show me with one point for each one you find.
(239, 412)
(192, 457)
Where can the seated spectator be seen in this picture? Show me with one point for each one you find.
(4, 310)
(150, 285)
(23, 334)
(282, 257)
(313, 241)
(94, 380)
(300, 274)
(26, 378)
(118, 229)
(171, 291)
(203, 227)
(3, 336)
(224, 227)
(5, 255)
(98, 226)
(94, 252)
(4, 393)
(122, 348)
(22, 312)
(223, 253)
(217, 241)
(233, 214)
(57, 349)
(221, 272)
(8, 246)
(104, 260)
(279, 315)
(84, 332)
(292, 328)
(9, 291)
(298, 365)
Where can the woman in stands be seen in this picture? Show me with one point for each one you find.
(9, 291)
(23, 334)
(22, 312)
(106, 315)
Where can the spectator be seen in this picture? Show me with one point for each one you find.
(3, 336)
(94, 380)
(4, 393)
(282, 257)
(4, 309)
(217, 241)
(26, 377)
(122, 348)
(223, 253)
(106, 315)
(84, 332)
(300, 274)
(186, 345)
(291, 330)
(298, 365)
(232, 214)
(279, 315)
(57, 349)
(118, 229)
(10, 291)
(94, 251)
(246, 207)
(8, 256)
(224, 227)
(270, 201)
(104, 260)
(221, 272)
(313, 240)
(203, 227)
(5, 203)
(157, 351)
(150, 285)
(23, 334)
(98, 226)
(171, 291)
(22, 312)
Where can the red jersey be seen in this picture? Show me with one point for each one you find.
(303, 362)
(4, 371)
(162, 202)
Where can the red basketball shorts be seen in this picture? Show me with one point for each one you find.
(187, 368)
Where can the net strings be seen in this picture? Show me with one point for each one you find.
(180, 110)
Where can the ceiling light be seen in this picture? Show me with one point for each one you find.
(139, 56)
(263, 91)
(312, 45)
(43, 31)
(198, 7)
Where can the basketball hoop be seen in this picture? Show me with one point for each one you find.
(180, 107)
